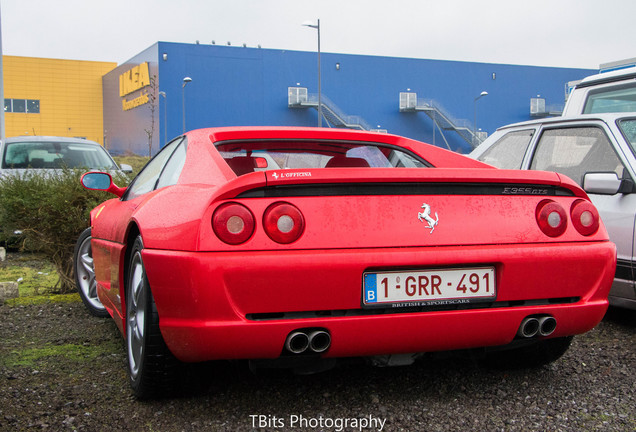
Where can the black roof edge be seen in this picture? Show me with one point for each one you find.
(607, 80)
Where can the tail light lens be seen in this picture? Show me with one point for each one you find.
(283, 222)
(551, 218)
(233, 223)
(585, 217)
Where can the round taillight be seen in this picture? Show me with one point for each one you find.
(283, 222)
(233, 223)
(585, 217)
(551, 218)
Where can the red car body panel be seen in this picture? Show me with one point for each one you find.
(222, 301)
(204, 316)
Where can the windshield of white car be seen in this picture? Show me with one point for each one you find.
(55, 155)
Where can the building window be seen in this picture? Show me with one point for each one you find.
(22, 106)
(19, 105)
(33, 106)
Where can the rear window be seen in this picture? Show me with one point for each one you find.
(249, 156)
(55, 155)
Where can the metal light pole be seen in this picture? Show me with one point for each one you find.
(482, 94)
(165, 115)
(317, 27)
(186, 80)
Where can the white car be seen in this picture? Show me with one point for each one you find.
(596, 151)
(48, 153)
(603, 93)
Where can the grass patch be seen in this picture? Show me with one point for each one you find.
(43, 299)
(29, 357)
(34, 277)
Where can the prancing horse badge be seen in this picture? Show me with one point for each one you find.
(425, 216)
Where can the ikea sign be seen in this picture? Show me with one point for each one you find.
(132, 80)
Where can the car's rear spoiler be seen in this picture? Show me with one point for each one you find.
(407, 181)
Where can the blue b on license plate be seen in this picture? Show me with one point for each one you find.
(429, 287)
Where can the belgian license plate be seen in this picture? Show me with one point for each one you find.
(429, 287)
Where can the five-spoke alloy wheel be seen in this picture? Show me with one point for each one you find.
(85, 275)
(152, 369)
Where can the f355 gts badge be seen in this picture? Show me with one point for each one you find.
(425, 216)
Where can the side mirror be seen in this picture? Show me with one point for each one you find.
(606, 184)
(126, 168)
(101, 181)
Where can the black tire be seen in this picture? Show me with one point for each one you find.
(152, 369)
(531, 355)
(84, 272)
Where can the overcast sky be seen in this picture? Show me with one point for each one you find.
(562, 33)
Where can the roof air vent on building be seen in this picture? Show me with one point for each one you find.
(537, 106)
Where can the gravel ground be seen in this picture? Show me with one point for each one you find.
(61, 369)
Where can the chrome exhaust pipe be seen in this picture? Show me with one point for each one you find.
(319, 341)
(547, 325)
(297, 342)
(529, 327)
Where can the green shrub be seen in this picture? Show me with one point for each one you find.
(51, 212)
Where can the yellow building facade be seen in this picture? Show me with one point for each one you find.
(54, 97)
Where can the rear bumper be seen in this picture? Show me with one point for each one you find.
(205, 299)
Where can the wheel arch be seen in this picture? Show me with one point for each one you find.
(132, 233)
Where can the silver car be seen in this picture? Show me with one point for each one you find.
(596, 151)
(48, 153)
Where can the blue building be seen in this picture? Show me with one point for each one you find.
(147, 101)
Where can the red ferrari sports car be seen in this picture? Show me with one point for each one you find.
(302, 245)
